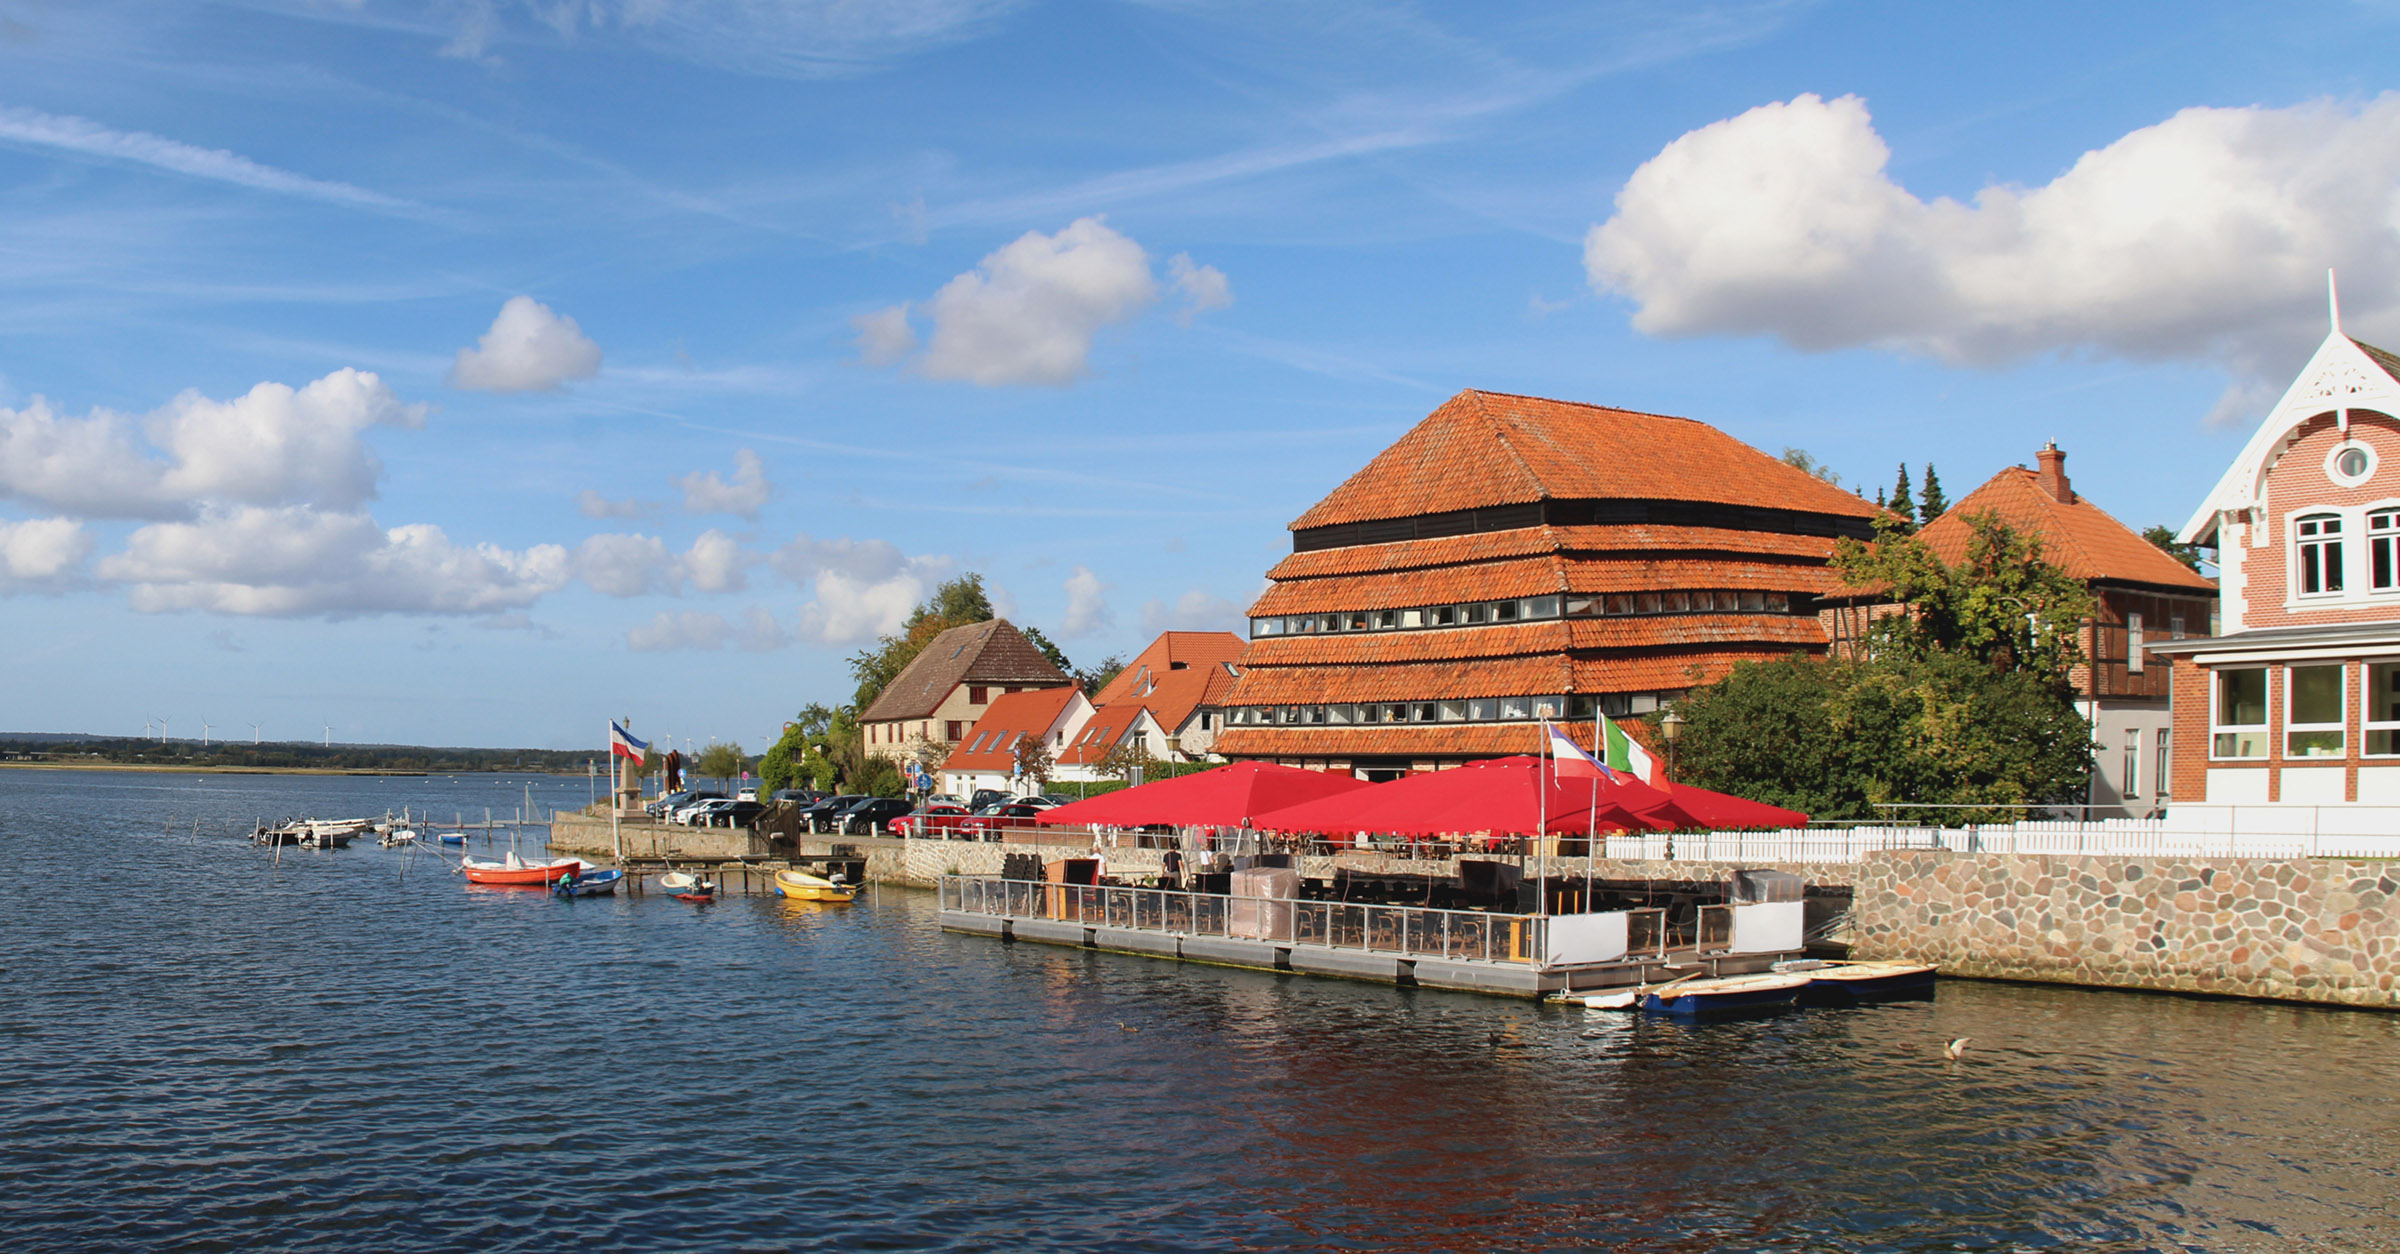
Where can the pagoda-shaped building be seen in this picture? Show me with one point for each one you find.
(1513, 557)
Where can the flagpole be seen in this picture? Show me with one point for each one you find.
(1542, 793)
(616, 836)
(1591, 836)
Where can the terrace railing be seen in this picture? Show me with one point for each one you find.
(1402, 931)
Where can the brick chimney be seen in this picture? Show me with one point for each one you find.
(2053, 474)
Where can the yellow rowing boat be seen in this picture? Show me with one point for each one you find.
(802, 886)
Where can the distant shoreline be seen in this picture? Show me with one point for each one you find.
(171, 769)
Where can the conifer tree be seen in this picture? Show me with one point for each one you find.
(1932, 504)
(1902, 501)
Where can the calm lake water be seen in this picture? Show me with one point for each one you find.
(202, 1050)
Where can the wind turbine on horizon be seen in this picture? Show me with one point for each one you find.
(146, 732)
(254, 732)
(329, 735)
(162, 729)
(204, 726)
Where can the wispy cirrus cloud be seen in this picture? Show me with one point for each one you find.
(32, 128)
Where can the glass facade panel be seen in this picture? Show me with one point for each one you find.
(2313, 719)
(2320, 554)
(2380, 710)
(2240, 729)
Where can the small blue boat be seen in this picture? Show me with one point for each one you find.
(451, 838)
(1729, 995)
(1853, 983)
(594, 884)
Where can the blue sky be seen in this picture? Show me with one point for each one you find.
(469, 372)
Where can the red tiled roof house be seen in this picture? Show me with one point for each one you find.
(991, 753)
(931, 704)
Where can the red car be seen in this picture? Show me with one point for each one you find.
(989, 826)
(936, 820)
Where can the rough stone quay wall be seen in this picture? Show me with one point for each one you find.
(2316, 930)
(585, 836)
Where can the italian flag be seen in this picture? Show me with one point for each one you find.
(1626, 754)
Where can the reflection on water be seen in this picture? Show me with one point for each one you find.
(204, 1049)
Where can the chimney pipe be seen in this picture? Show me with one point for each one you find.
(2053, 474)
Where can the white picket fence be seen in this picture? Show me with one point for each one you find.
(2220, 832)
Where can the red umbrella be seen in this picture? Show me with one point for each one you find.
(1502, 795)
(1716, 809)
(1229, 796)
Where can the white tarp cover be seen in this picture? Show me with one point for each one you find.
(1261, 905)
(1766, 928)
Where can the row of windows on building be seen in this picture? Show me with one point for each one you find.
(2320, 556)
(1527, 609)
(1575, 707)
(2129, 779)
(2315, 711)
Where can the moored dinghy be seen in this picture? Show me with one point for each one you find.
(515, 872)
(1849, 983)
(1732, 994)
(687, 887)
(588, 884)
(802, 886)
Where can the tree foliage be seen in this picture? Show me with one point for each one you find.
(722, 761)
(1799, 459)
(1094, 678)
(2003, 604)
(956, 603)
(1034, 761)
(1904, 502)
(2164, 537)
(1057, 656)
(1931, 504)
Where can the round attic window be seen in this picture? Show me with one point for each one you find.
(2350, 464)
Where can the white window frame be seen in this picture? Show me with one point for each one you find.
(2332, 576)
(2368, 725)
(2216, 706)
(2133, 643)
(2163, 745)
(2133, 763)
(2389, 538)
(2333, 463)
(2293, 727)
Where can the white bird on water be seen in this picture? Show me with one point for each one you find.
(1954, 1049)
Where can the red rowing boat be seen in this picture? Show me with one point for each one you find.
(515, 872)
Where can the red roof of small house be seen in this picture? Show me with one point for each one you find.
(1171, 702)
(1009, 719)
(2079, 538)
(1173, 651)
(1489, 448)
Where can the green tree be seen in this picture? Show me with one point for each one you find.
(722, 761)
(1035, 763)
(956, 603)
(1057, 656)
(1093, 679)
(1125, 758)
(1931, 503)
(2002, 604)
(1799, 459)
(2164, 537)
(1903, 500)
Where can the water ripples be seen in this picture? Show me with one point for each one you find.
(205, 1050)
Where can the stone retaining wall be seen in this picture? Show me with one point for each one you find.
(2316, 930)
(589, 837)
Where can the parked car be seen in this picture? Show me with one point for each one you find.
(1057, 798)
(985, 797)
(1043, 803)
(747, 794)
(805, 796)
(930, 821)
(737, 814)
(696, 814)
(823, 813)
(862, 819)
(999, 819)
(672, 802)
(947, 799)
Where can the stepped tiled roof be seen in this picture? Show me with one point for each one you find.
(2079, 538)
(989, 652)
(1482, 449)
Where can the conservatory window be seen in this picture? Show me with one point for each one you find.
(2381, 710)
(2240, 723)
(2313, 712)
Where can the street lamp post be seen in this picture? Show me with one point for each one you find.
(1670, 729)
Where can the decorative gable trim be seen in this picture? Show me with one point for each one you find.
(2342, 375)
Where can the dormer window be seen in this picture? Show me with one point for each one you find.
(2320, 554)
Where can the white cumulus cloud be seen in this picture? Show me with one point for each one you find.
(1087, 604)
(716, 562)
(273, 445)
(670, 631)
(860, 589)
(1193, 611)
(298, 561)
(41, 553)
(2204, 236)
(591, 504)
(1203, 287)
(530, 348)
(1027, 313)
(621, 565)
(744, 495)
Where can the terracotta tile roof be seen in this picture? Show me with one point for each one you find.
(1451, 740)
(1401, 681)
(1171, 652)
(1490, 448)
(2389, 361)
(1536, 576)
(1632, 632)
(1666, 672)
(1178, 695)
(1484, 546)
(2081, 539)
(989, 652)
(1011, 716)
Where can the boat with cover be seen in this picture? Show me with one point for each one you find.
(1732, 994)
(588, 884)
(515, 872)
(1850, 983)
(803, 886)
(687, 887)
(451, 838)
